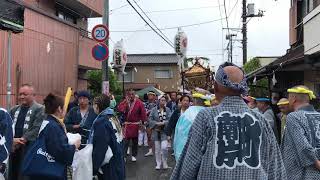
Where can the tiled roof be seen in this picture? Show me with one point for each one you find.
(152, 59)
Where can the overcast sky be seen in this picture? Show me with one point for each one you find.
(267, 36)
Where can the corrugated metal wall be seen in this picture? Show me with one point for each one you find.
(47, 54)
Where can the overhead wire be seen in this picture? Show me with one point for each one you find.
(152, 22)
(222, 38)
(149, 24)
(172, 10)
(174, 27)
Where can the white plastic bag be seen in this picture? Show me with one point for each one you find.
(1, 177)
(73, 138)
(107, 157)
(82, 164)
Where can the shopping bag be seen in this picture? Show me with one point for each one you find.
(82, 164)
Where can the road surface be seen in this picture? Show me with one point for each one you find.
(144, 168)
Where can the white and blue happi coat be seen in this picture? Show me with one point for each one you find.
(183, 127)
(301, 144)
(230, 142)
(6, 136)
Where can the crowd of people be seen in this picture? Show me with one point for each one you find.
(222, 135)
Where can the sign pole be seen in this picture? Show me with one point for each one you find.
(105, 67)
(9, 84)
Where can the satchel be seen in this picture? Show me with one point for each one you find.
(38, 162)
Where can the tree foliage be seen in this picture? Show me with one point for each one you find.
(261, 87)
(95, 82)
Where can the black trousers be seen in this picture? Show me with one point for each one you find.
(134, 147)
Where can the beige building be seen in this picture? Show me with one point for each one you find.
(158, 70)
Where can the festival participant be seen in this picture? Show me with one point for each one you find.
(158, 119)
(52, 143)
(300, 147)
(264, 107)
(185, 103)
(27, 118)
(283, 105)
(230, 141)
(106, 133)
(6, 138)
(149, 105)
(185, 121)
(134, 114)
(80, 118)
(172, 104)
(74, 103)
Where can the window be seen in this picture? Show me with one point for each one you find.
(66, 16)
(127, 77)
(163, 74)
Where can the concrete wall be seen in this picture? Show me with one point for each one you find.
(311, 32)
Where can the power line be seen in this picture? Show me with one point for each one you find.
(175, 27)
(233, 8)
(172, 10)
(222, 38)
(149, 24)
(225, 11)
(152, 22)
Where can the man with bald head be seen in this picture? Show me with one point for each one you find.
(301, 140)
(230, 141)
(27, 118)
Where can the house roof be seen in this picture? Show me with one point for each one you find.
(295, 55)
(152, 59)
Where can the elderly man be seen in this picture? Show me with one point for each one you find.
(80, 118)
(230, 141)
(6, 138)
(283, 105)
(27, 119)
(301, 140)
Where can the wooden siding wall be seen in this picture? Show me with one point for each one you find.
(48, 71)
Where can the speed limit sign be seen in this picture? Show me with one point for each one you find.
(100, 33)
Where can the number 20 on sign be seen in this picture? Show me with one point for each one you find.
(100, 33)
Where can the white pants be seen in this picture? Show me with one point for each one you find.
(142, 138)
(161, 153)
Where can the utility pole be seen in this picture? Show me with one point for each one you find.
(230, 46)
(244, 31)
(105, 66)
(245, 15)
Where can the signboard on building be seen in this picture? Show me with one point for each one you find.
(11, 16)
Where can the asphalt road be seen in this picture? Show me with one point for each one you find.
(144, 167)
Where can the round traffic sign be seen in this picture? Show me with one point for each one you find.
(100, 33)
(100, 52)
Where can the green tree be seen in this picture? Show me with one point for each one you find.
(261, 87)
(95, 82)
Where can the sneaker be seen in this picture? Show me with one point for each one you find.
(133, 159)
(128, 151)
(158, 168)
(150, 153)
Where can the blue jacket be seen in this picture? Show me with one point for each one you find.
(74, 118)
(6, 135)
(103, 135)
(56, 142)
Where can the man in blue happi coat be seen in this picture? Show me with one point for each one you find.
(6, 138)
(230, 141)
(80, 119)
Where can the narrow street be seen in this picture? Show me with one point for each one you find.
(144, 168)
